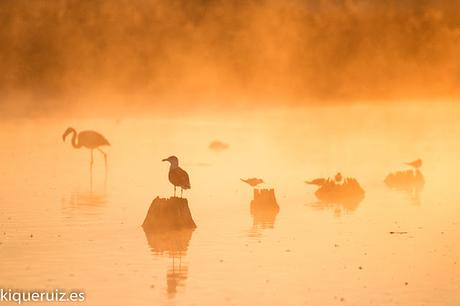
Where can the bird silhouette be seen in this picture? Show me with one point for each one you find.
(318, 182)
(177, 176)
(88, 139)
(416, 163)
(253, 182)
(338, 177)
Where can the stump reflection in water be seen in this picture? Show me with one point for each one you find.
(174, 244)
(410, 181)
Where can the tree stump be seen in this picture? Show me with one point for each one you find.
(405, 180)
(264, 198)
(168, 214)
(264, 207)
(347, 192)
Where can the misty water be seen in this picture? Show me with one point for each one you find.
(58, 231)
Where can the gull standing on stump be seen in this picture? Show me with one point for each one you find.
(177, 176)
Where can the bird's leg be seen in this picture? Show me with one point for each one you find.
(105, 159)
(174, 190)
(181, 189)
(91, 172)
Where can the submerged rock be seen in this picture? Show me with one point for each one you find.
(168, 214)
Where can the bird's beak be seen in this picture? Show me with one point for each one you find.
(63, 137)
(165, 159)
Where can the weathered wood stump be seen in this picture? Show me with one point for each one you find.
(264, 207)
(264, 198)
(405, 180)
(347, 192)
(168, 214)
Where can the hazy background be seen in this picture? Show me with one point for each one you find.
(111, 56)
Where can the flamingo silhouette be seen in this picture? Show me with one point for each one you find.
(88, 139)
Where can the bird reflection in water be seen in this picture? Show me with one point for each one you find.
(264, 210)
(83, 203)
(339, 194)
(409, 181)
(173, 244)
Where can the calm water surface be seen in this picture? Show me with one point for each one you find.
(57, 231)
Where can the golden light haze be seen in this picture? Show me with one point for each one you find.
(101, 55)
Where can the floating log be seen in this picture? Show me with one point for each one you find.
(168, 214)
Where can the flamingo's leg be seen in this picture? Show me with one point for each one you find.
(105, 158)
(91, 171)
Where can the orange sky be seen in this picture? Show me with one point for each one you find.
(57, 54)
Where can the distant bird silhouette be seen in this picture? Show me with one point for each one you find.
(338, 177)
(177, 176)
(218, 146)
(88, 139)
(318, 182)
(416, 163)
(253, 182)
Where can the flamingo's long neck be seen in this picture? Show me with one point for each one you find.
(74, 140)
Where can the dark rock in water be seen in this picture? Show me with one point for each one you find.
(408, 180)
(264, 207)
(168, 214)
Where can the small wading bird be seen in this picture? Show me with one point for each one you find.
(416, 163)
(177, 176)
(318, 182)
(338, 177)
(88, 139)
(253, 182)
